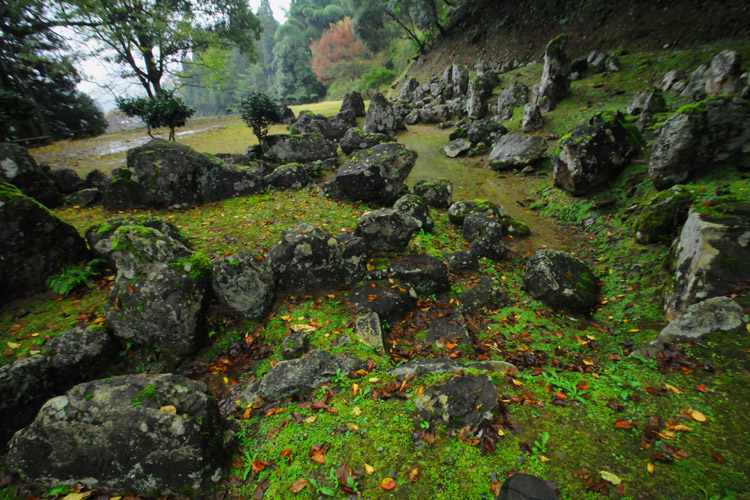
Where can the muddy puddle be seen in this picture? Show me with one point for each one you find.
(472, 178)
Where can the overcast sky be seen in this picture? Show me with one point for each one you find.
(97, 74)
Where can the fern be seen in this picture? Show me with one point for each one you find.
(72, 277)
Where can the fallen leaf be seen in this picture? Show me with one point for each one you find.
(701, 387)
(609, 477)
(697, 416)
(318, 458)
(14, 345)
(674, 389)
(299, 485)
(259, 465)
(622, 424)
(287, 453)
(357, 411)
(78, 496)
(355, 389)
(352, 427)
(169, 409)
(310, 420)
(388, 483)
(667, 435)
(680, 427)
(717, 456)
(583, 385)
(369, 469)
(543, 458)
(650, 468)
(414, 474)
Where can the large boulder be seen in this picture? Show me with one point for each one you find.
(149, 434)
(407, 91)
(555, 83)
(427, 275)
(487, 293)
(390, 301)
(526, 487)
(532, 118)
(356, 139)
(80, 355)
(221, 182)
(309, 259)
(561, 281)
(662, 215)
(243, 284)
(456, 148)
(285, 149)
(386, 230)
(353, 100)
(376, 174)
(711, 257)
(19, 168)
(381, 117)
(27, 383)
(459, 210)
(467, 400)
(486, 131)
(698, 136)
(711, 315)
(413, 206)
(480, 90)
(517, 151)
(517, 94)
(592, 154)
(66, 180)
(723, 75)
(436, 193)
(291, 176)
(158, 298)
(460, 80)
(34, 244)
(293, 376)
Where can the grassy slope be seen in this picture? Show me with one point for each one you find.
(580, 357)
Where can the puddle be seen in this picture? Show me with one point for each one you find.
(472, 180)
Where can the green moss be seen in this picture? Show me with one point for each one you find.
(198, 265)
(146, 394)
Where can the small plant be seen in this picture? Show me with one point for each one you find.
(322, 490)
(540, 448)
(72, 277)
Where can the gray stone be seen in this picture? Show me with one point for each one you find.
(368, 329)
(243, 284)
(413, 206)
(449, 327)
(436, 193)
(295, 345)
(456, 148)
(671, 78)
(27, 383)
(34, 244)
(427, 275)
(309, 259)
(386, 230)
(711, 315)
(486, 131)
(381, 117)
(555, 83)
(447, 365)
(390, 301)
(593, 153)
(407, 91)
(297, 375)
(376, 174)
(357, 139)
(413, 117)
(596, 60)
(485, 294)
(66, 180)
(285, 149)
(651, 100)
(517, 94)
(19, 168)
(662, 215)
(517, 151)
(463, 260)
(80, 355)
(290, 176)
(561, 281)
(353, 100)
(526, 487)
(462, 401)
(710, 132)
(460, 80)
(711, 258)
(84, 198)
(150, 434)
(532, 118)
(723, 74)
(695, 87)
(459, 210)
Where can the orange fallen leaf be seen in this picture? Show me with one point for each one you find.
(388, 483)
(622, 424)
(318, 458)
(259, 465)
(169, 409)
(700, 387)
(287, 453)
(667, 435)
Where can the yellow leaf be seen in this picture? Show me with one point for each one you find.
(500, 432)
(356, 411)
(355, 389)
(287, 317)
(590, 337)
(588, 362)
(667, 435)
(169, 409)
(650, 468)
(310, 420)
(13, 345)
(352, 427)
(99, 320)
(373, 380)
(634, 330)
(609, 477)
(674, 389)
(78, 496)
(543, 458)
(581, 341)
(697, 416)
(303, 328)
(516, 382)
(680, 427)
(369, 469)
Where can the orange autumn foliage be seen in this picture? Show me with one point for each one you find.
(337, 53)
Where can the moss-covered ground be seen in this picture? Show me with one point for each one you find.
(671, 427)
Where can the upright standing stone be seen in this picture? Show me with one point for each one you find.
(555, 83)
